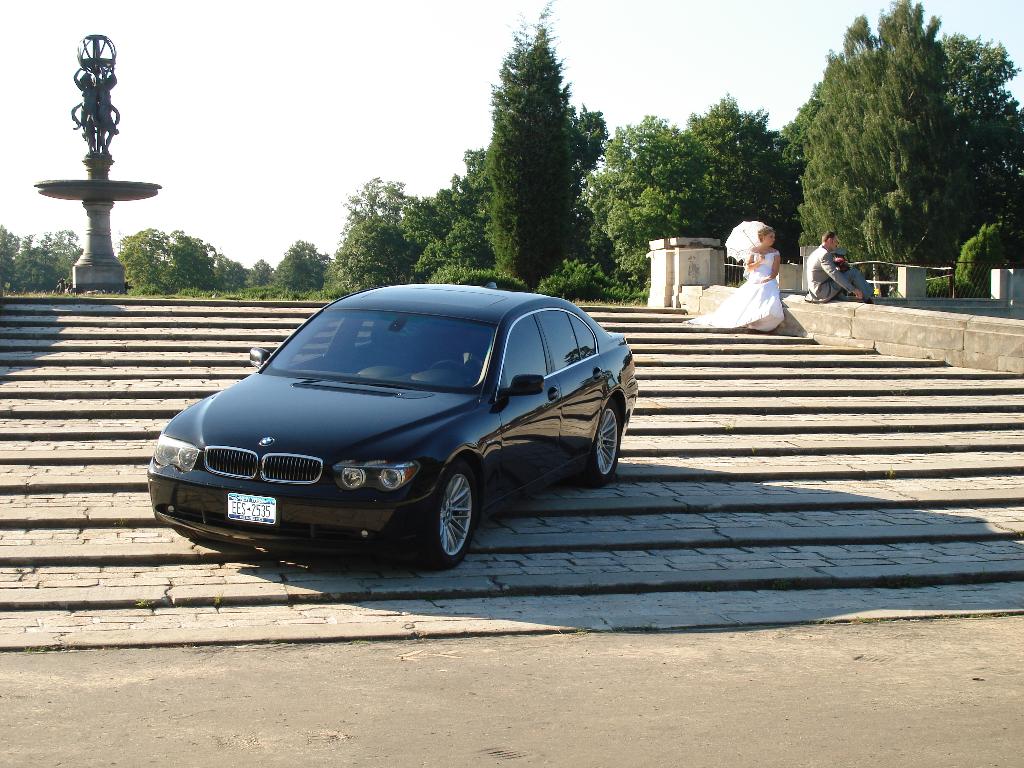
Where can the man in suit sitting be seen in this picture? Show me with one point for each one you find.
(829, 274)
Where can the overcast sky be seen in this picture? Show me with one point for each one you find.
(260, 118)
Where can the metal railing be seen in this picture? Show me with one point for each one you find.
(961, 280)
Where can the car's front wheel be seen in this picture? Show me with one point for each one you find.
(604, 452)
(452, 518)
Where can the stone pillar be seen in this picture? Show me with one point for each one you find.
(791, 278)
(805, 251)
(911, 283)
(98, 268)
(1008, 284)
(681, 267)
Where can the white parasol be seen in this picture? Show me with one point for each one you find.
(742, 238)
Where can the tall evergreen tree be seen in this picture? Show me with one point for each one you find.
(885, 163)
(529, 161)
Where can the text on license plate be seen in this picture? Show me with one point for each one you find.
(252, 509)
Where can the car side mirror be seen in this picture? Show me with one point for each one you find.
(525, 384)
(258, 356)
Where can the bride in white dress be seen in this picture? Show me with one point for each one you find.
(756, 304)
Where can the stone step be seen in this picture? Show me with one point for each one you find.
(144, 541)
(126, 304)
(501, 575)
(121, 359)
(691, 338)
(98, 507)
(113, 408)
(741, 390)
(111, 390)
(123, 477)
(766, 388)
(160, 626)
(793, 444)
(772, 496)
(719, 469)
(699, 406)
(728, 451)
(624, 311)
(787, 360)
(121, 546)
(166, 407)
(759, 350)
(117, 336)
(702, 531)
(79, 429)
(124, 322)
(891, 373)
(821, 424)
(9, 346)
(61, 376)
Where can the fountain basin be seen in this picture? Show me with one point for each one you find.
(97, 190)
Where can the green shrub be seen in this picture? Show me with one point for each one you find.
(977, 258)
(458, 274)
(576, 280)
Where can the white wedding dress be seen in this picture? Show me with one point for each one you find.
(756, 304)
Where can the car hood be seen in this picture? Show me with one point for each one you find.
(328, 419)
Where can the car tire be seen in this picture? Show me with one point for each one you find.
(604, 452)
(453, 516)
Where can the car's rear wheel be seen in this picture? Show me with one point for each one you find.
(604, 453)
(452, 519)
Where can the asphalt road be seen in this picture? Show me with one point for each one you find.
(929, 694)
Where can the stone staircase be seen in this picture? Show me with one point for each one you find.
(764, 480)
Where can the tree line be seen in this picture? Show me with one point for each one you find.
(911, 146)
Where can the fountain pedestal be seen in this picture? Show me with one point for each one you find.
(98, 269)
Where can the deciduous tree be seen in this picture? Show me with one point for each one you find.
(746, 175)
(649, 187)
(9, 246)
(373, 250)
(992, 127)
(302, 268)
(261, 273)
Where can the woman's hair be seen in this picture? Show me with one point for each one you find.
(763, 231)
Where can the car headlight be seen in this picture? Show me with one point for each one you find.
(175, 453)
(382, 475)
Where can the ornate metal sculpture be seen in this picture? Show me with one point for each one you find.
(96, 115)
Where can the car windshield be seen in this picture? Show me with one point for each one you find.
(396, 349)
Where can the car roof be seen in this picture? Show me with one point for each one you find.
(466, 301)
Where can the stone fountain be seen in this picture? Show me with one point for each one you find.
(98, 269)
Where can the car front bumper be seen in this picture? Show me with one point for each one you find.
(302, 521)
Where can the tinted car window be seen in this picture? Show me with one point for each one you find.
(388, 348)
(524, 352)
(560, 338)
(584, 337)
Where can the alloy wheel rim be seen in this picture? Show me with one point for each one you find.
(456, 514)
(607, 441)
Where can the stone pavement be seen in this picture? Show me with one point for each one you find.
(764, 480)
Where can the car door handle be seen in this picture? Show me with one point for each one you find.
(553, 394)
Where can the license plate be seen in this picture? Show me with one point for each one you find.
(252, 509)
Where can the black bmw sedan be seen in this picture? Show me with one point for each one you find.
(399, 414)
